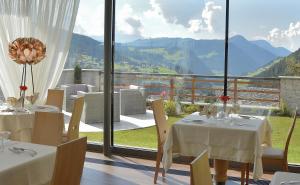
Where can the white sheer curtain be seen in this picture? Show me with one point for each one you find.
(52, 22)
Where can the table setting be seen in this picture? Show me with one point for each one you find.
(285, 178)
(19, 120)
(229, 137)
(21, 160)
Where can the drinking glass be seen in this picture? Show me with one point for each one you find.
(4, 135)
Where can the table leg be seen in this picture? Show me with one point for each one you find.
(221, 167)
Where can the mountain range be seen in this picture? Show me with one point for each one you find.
(286, 66)
(181, 55)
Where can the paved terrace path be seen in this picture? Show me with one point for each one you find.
(128, 122)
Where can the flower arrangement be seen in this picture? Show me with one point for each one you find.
(23, 87)
(27, 51)
(224, 99)
(163, 94)
(210, 110)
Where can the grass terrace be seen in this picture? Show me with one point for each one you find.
(146, 137)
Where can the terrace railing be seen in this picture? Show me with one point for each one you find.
(192, 88)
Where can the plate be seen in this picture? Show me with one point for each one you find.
(245, 116)
(192, 120)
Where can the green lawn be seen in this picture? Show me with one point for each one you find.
(146, 137)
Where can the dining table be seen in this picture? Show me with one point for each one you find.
(285, 178)
(19, 121)
(233, 138)
(24, 163)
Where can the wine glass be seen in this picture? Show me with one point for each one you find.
(4, 135)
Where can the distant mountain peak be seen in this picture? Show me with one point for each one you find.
(238, 38)
(278, 51)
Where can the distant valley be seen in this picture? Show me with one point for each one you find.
(177, 55)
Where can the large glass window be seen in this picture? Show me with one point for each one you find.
(263, 46)
(164, 49)
(83, 73)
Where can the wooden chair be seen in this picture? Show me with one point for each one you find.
(162, 131)
(73, 129)
(48, 128)
(200, 170)
(278, 156)
(55, 97)
(69, 162)
(274, 156)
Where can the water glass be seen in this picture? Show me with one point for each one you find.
(4, 135)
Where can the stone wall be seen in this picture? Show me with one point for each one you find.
(290, 91)
(89, 76)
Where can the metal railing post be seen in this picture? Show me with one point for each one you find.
(172, 88)
(235, 90)
(193, 89)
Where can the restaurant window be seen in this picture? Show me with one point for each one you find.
(83, 71)
(263, 46)
(168, 50)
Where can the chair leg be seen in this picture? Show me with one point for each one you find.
(243, 169)
(163, 170)
(247, 173)
(285, 166)
(157, 167)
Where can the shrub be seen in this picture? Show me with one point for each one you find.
(190, 108)
(170, 108)
(77, 74)
(283, 111)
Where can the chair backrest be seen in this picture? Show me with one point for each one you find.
(160, 121)
(200, 170)
(73, 130)
(55, 97)
(291, 129)
(48, 128)
(69, 162)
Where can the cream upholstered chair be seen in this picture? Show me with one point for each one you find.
(132, 102)
(48, 128)
(93, 109)
(73, 129)
(200, 170)
(55, 97)
(69, 162)
(162, 131)
(274, 156)
(71, 91)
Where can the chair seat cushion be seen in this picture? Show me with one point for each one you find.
(274, 153)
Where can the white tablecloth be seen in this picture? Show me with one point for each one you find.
(20, 123)
(237, 139)
(279, 177)
(23, 169)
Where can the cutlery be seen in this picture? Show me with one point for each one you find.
(19, 150)
(289, 182)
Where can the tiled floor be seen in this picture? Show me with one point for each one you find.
(126, 122)
(131, 171)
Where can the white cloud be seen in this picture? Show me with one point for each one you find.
(90, 18)
(289, 37)
(180, 12)
(127, 22)
(195, 25)
(210, 15)
(211, 20)
(152, 20)
(155, 24)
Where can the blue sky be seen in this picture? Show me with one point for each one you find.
(277, 21)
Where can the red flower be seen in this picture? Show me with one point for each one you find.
(163, 93)
(23, 87)
(224, 98)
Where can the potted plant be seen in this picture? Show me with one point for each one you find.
(77, 74)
